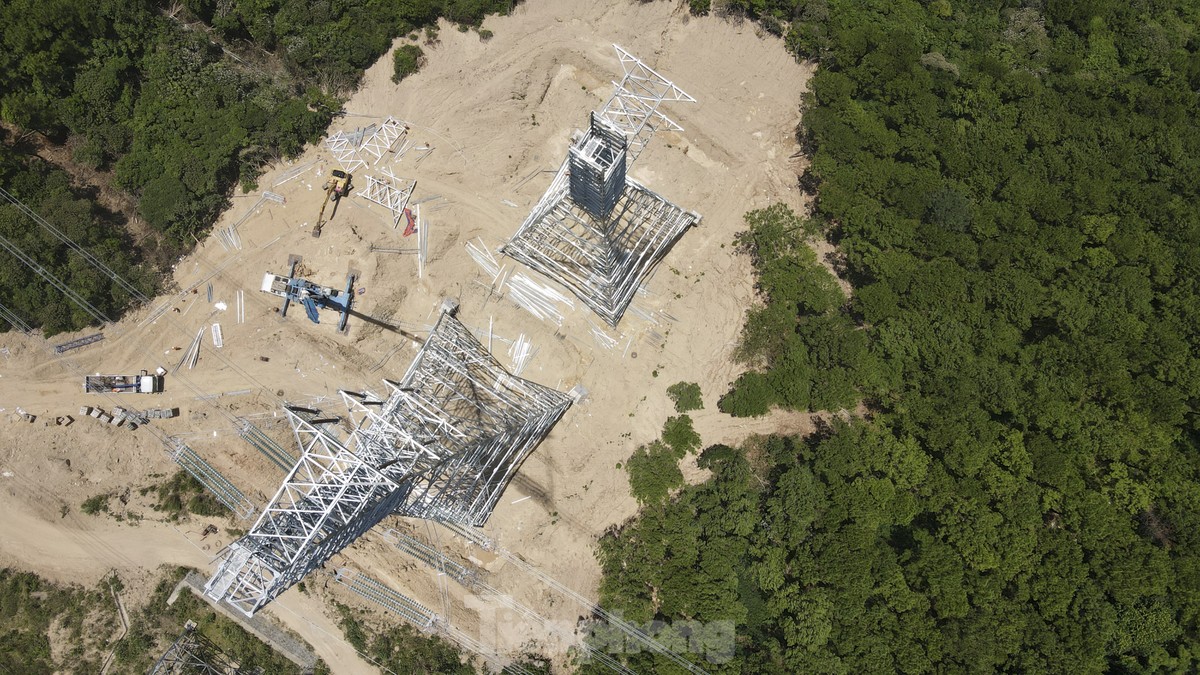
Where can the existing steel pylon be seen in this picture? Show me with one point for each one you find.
(194, 654)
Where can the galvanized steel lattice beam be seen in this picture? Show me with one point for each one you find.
(329, 499)
(389, 192)
(344, 148)
(380, 142)
(633, 107)
(374, 141)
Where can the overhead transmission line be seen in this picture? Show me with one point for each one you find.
(139, 295)
(135, 292)
(87, 255)
(226, 492)
(66, 290)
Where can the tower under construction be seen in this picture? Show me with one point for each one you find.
(595, 230)
(441, 443)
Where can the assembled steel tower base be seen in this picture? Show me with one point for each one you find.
(601, 260)
(443, 444)
(597, 231)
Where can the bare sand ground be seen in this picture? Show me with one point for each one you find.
(495, 112)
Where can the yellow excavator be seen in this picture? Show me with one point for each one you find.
(335, 188)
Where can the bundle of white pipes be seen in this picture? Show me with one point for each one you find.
(602, 338)
(539, 300)
(520, 352)
(484, 258)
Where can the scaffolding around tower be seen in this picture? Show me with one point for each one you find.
(442, 444)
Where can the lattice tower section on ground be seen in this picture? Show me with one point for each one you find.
(442, 444)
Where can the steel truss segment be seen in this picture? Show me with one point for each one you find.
(374, 141)
(389, 192)
(217, 484)
(444, 444)
(637, 71)
(402, 605)
(481, 421)
(344, 148)
(385, 135)
(327, 500)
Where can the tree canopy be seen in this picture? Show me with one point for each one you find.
(1013, 188)
(48, 191)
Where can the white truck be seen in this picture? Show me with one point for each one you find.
(143, 383)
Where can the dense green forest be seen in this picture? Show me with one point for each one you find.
(177, 103)
(49, 192)
(1012, 188)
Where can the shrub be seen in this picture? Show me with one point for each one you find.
(680, 436)
(204, 504)
(407, 60)
(95, 504)
(653, 472)
(772, 25)
(750, 396)
(351, 627)
(686, 396)
(183, 494)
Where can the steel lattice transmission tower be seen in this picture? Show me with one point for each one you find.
(194, 654)
(595, 230)
(442, 444)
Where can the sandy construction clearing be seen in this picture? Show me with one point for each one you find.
(498, 115)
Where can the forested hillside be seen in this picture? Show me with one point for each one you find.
(1013, 190)
(48, 192)
(181, 102)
